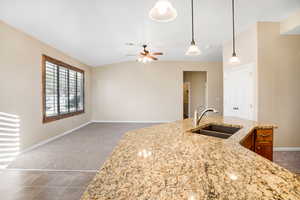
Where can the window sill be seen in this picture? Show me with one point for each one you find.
(55, 118)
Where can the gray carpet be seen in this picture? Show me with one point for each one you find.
(84, 149)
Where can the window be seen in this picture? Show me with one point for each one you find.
(63, 90)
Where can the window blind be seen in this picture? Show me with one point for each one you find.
(72, 88)
(80, 95)
(51, 89)
(63, 90)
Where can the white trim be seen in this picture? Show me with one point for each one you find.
(150, 122)
(53, 138)
(286, 149)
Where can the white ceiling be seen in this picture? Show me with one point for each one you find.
(95, 31)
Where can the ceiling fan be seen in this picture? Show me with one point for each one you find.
(146, 56)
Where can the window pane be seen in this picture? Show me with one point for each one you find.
(51, 89)
(72, 90)
(63, 90)
(79, 91)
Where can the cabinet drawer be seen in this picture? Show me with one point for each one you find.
(264, 135)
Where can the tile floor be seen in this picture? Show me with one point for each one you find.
(38, 185)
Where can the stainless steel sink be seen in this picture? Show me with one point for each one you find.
(219, 131)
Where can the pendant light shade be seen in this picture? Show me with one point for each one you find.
(234, 59)
(193, 50)
(163, 11)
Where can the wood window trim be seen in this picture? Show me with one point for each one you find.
(60, 63)
(46, 119)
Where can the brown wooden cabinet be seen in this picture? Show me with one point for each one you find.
(264, 143)
(248, 142)
(261, 142)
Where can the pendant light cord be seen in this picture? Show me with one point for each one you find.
(193, 34)
(233, 27)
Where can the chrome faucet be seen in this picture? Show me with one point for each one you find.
(197, 118)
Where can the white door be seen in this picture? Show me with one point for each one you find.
(240, 92)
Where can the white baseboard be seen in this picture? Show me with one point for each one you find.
(53, 138)
(151, 122)
(286, 148)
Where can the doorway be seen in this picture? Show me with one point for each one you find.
(194, 92)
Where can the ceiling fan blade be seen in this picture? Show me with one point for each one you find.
(157, 53)
(143, 54)
(153, 58)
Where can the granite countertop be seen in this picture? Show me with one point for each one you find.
(168, 162)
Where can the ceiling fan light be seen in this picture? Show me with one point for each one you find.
(163, 11)
(148, 59)
(234, 59)
(140, 59)
(193, 50)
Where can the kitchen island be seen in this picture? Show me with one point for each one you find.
(168, 162)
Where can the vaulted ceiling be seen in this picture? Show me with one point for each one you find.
(96, 31)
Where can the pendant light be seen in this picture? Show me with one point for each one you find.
(234, 59)
(193, 49)
(163, 11)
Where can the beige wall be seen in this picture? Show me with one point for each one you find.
(278, 67)
(197, 82)
(278, 75)
(133, 91)
(246, 48)
(21, 87)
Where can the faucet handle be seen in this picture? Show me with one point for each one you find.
(213, 110)
(216, 111)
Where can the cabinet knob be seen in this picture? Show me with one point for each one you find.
(258, 148)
